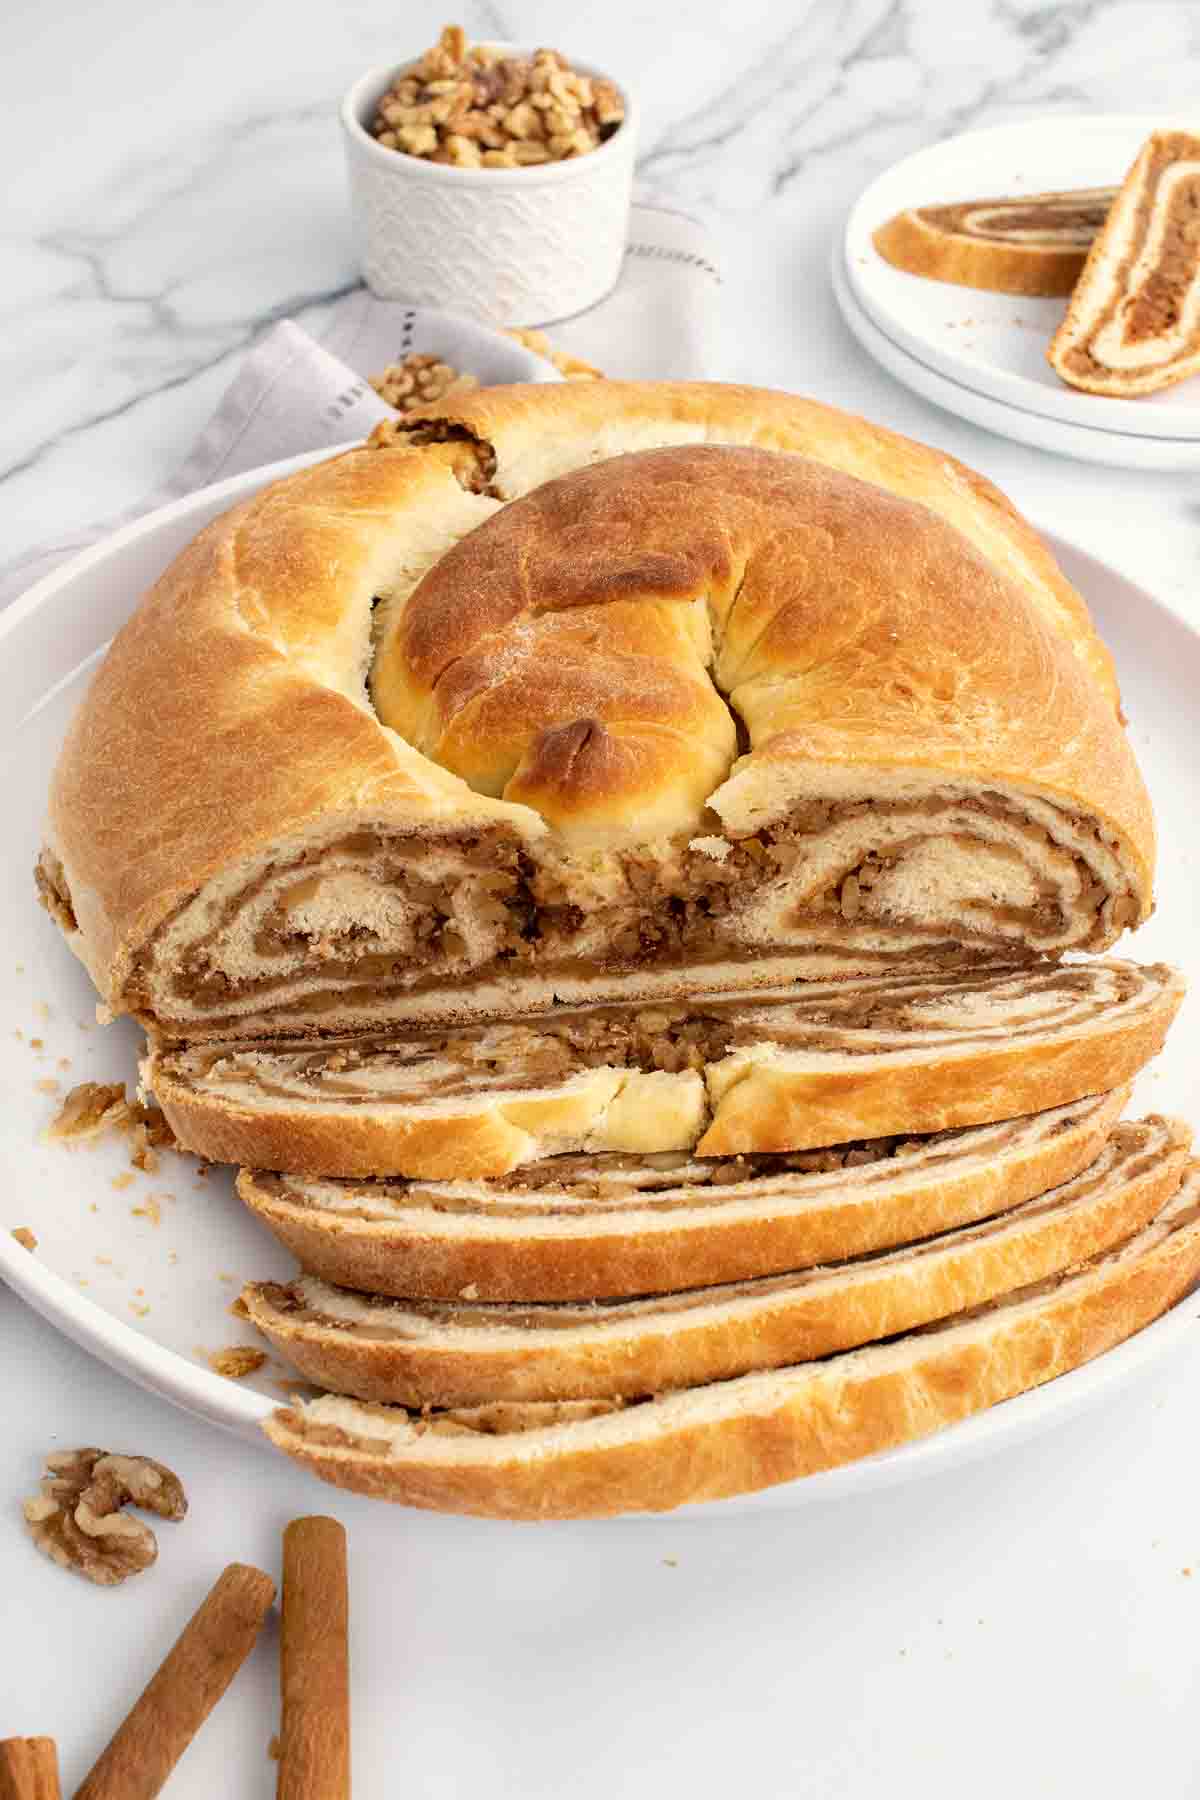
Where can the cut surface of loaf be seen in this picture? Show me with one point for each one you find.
(1133, 323)
(594, 1458)
(593, 1227)
(431, 1353)
(566, 696)
(820, 1064)
(1015, 244)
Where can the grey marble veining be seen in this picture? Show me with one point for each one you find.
(199, 194)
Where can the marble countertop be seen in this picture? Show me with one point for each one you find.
(179, 188)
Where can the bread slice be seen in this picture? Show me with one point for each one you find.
(822, 1064)
(1017, 244)
(1133, 323)
(593, 1458)
(431, 1353)
(613, 1226)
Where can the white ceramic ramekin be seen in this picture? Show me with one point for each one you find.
(508, 246)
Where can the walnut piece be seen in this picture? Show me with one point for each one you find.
(470, 105)
(418, 380)
(77, 1520)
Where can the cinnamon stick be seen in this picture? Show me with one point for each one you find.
(29, 1769)
(208, 1654)
(315, 1663)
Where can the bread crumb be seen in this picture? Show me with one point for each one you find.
(37, 1044)
(291, 1385)
(64, 1062)
(41, 1010)
(238, 1361)
(25, 1237)
(172, 1257)
(19, 1032)
(96, 1107)
(139, 1292)
(223, 1275)
(149, 1209)
(104, 1261)
(139, 1312)
(48, 1085)
(1188, 1570)
(122, 1181)
(238, 1308)
(81, 1281)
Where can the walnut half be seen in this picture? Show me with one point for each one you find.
(77, 1519)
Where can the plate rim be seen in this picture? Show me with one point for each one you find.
(1056, 437)
(223, 1403)
(1111, 413)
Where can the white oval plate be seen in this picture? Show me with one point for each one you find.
(152, 1299)
(996, 344)
(1115, 449)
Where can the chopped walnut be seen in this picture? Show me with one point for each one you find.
(238, 1361)
(470, 105)
(418, 380)
(77, 1519)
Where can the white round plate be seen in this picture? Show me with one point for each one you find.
(141, 1269)
(995, 344)
(1086, 443)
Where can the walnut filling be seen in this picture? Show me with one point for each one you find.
(1152, 283)
(472, 907)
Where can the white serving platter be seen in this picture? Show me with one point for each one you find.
(152, 1299)
(994, 344)
(1085, 443)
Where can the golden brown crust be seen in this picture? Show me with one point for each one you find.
(466, 1353)
(501, 1259)
(250, 651)
(737, 1437)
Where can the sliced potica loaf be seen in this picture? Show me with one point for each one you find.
(815, 1065)
(592, 1458)
(589, 1227)
(567, 696)
(439, 1353)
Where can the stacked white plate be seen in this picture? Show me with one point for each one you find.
(982, 355)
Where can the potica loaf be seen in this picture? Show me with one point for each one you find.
(584, 693)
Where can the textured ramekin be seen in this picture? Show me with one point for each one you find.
(509, 246)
